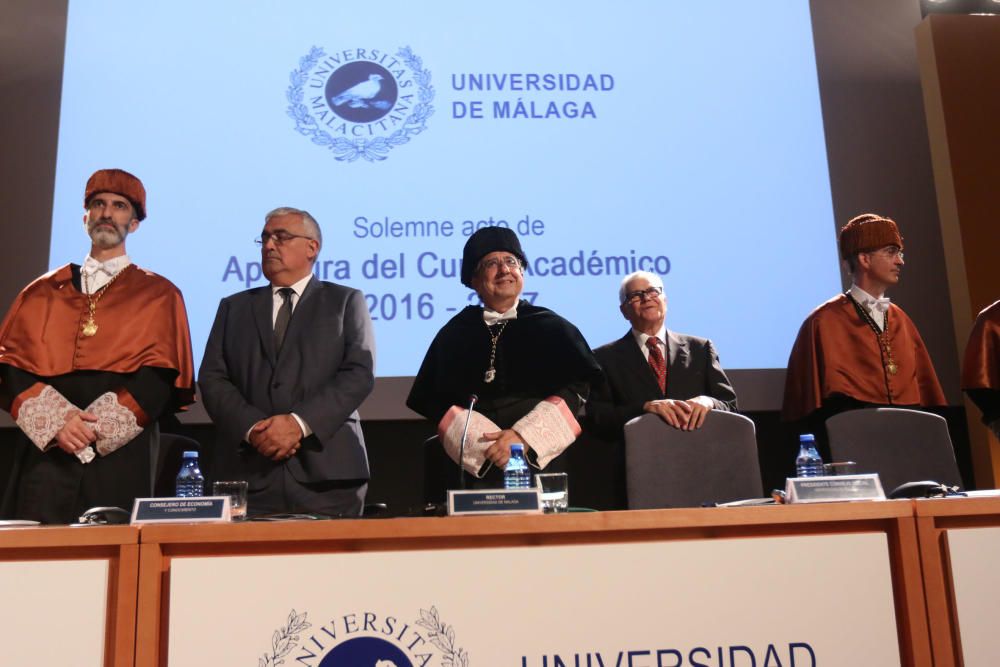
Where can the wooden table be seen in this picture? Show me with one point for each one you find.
(62, 547)
(165, 545)
(934, 520)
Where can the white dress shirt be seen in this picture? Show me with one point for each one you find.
(492, 317)
(297, 290)
(875, 307)
(99, 274)
(661, 341)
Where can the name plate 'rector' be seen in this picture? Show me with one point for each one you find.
(833, 489)
(494, 501)
(210, 509)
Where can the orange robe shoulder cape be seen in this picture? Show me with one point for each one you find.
(981, 367)
(141, 322)
(838, 353)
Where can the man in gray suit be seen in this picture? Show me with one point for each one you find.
(285, 369)
(652, 369)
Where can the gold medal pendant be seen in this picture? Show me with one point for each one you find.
(881, 335)
(890, 363)
(490, 376)
(89, 328)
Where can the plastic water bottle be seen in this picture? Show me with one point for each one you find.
(808, 463)
(190, 481)
(516, 475)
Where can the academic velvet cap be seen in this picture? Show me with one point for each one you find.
(119, 182)
(866, 233)
(485, 241)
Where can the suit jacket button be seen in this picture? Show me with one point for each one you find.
(275, 385)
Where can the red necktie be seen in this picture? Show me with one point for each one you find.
(657, 363)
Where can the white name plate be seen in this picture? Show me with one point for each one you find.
(210, 509)
(494, 501)
(833, 489)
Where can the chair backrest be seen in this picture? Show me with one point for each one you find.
(667, 467)
(440, 472)
(900, 445)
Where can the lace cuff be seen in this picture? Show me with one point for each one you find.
(116, 424)
(43, 414)
(450, 431)
(548, 430)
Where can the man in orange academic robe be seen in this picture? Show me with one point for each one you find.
(91, 356)
(858, 349)
(981, 367)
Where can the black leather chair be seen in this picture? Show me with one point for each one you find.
(667, 467)
(440, 472)
(900, 445)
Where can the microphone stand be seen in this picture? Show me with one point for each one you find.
(473, 399)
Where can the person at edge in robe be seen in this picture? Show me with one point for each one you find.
(91, 356)
(530, 369)
(285, 369)
(859, 350)
(981, 366)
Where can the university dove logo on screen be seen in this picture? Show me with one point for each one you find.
(360, 102)
(367, 639)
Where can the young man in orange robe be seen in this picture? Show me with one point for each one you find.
(858, 349)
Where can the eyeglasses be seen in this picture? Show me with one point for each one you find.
(280, 237)
(493, 264)
(891, 251)
(643, 294)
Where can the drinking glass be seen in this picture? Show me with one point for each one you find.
(237, 492)
(555, 491)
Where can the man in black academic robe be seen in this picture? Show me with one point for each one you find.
(529, 368)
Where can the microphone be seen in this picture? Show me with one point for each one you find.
(473, 399)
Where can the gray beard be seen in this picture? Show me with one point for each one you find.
(106, 239)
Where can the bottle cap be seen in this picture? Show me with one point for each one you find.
(517, 447)
(190, 455)
(807, 437)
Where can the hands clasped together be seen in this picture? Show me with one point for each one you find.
(278, 438)
(685, 415)
(499, 451)
(79, 431)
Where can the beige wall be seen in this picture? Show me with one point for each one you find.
(879, 153)
(32, 35)
(960, 68)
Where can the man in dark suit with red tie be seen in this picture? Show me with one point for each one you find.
(655, 370)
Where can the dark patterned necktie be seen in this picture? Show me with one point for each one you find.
(657, 363)
(284, 316)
